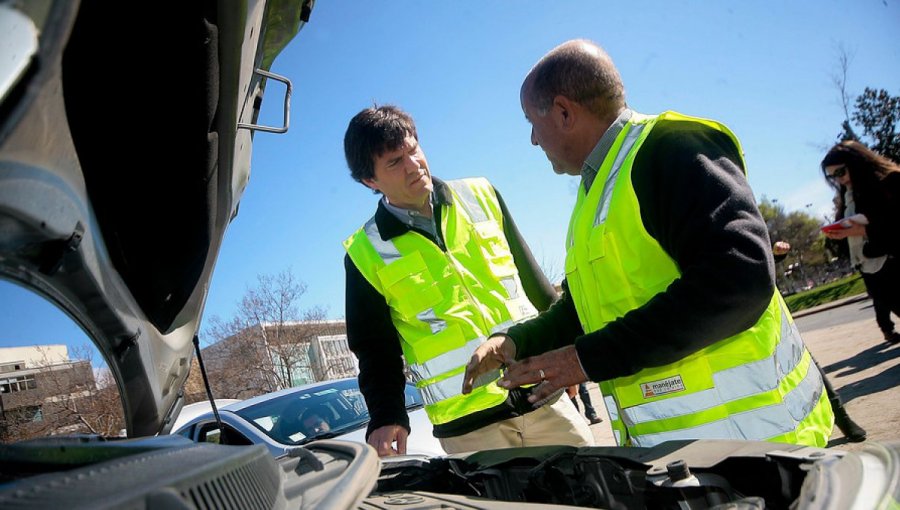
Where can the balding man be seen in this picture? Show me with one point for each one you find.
(669, 300)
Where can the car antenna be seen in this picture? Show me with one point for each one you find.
(212, 401)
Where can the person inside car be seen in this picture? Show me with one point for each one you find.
(313, 421)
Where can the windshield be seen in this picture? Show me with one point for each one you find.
(322, 411)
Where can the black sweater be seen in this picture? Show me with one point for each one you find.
(373, 338)
(696, 202)
(882, 208)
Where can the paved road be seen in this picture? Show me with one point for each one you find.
(863, 368)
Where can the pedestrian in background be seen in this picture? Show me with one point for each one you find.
(868, 184)
(581, 390)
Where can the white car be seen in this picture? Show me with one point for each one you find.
(275, 420)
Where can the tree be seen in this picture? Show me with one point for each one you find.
(879, 113)
(552, 271)
(839, 79)
(798, 228)
(266, 345)
(801, 230)
(65, 398)
(875, 111)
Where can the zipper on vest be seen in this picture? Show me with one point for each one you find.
(436, 226)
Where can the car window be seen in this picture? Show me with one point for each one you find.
(211, 433)
(187, 432)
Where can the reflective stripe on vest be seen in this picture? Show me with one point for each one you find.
(477, 270)
(444, 363)
(758, 384)
(732, 384)
(468, 201)
(605, 199)
(448, 388)
(757, 424)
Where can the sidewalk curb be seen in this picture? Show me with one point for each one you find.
(834, 304)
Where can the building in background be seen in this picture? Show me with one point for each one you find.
(42, 390)
(268, 357)
(331, 356)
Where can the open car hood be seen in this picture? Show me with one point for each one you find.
(122, 162)
(708, 474)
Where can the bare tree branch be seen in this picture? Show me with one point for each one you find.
(267, 345)
(65, 398)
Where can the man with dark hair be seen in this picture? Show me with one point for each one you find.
(314, 421)
(437, 269)
(669, 300)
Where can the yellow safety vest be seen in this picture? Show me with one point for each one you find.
(445, 304)
(760, 384)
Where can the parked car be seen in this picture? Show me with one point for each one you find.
(125, 136)
(276, 420)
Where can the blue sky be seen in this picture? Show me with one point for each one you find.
(762, 67)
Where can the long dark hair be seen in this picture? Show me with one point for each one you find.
(866, 168)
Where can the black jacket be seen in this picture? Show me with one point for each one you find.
(696, 202)
(373, 338)
(882, 208)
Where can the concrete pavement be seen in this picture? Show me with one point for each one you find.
(865, 371)
(863, 368)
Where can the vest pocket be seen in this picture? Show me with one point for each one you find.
(610, 280)
(597, 243)
(409, 287)
(495, 249)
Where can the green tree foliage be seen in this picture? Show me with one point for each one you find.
(798, 228)
(878, 113)
(801, 230)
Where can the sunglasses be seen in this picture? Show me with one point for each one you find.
(838, 172)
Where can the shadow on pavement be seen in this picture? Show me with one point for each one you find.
(837, 441)
(871, 357)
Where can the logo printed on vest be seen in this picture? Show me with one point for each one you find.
(663, 386)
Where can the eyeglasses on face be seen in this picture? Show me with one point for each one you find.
(838, 172)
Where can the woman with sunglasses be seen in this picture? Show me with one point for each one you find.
(868, 184)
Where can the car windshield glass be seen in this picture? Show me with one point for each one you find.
(322, 411)
(306, 413)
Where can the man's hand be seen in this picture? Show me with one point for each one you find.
(550, 371)
(497, 351)
(383, 438)
(781, 247)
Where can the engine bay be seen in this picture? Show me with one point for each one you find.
(680, 475)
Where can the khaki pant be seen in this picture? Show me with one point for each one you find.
(555, 424)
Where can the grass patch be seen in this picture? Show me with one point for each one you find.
(849, 286)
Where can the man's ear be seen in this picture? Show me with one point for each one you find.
(564, 112)
(371, 184)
